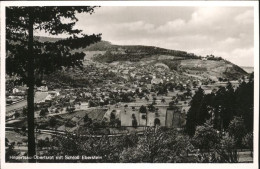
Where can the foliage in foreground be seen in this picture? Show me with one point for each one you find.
(155, 145)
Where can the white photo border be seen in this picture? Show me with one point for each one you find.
(253, 4)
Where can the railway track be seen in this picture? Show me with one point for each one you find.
(65, 133)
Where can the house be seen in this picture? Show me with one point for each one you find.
(156, 81)
(19, 89)
(43, 88)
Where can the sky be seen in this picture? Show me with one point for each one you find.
(221, 31)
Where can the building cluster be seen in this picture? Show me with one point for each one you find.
(123, 87)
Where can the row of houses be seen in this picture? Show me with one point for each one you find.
(23, 89)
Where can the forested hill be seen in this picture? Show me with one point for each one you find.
(126, 51)
(105, 45)
(134, 52)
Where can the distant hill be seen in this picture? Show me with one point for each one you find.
(248, 69)
(182, 62)
(133, 52)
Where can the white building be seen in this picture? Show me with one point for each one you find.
(156, 80)
(43, 88)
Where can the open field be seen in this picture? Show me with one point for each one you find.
(39, 96)
(93, 114)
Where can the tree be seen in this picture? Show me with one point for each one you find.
(118, 122)
(198, 113)
(227, 150)
(137, 91)
(44, 112)
(244, 96)
(224, 105)
(26, 55)
(143, 109)
(248, 142)
(172, 106)
(74, 145)
(112, 118)
(206, 136)
(16, 114)
(24, 129)
(53, 121)
(188, 92)
(92, 103)
(158, 146)
(24, 111)
(134, 121)
(237, 130)
(87, 120)
(70, 109)
(41, 144)
(163, 100)
(154, 99)
(151, 108)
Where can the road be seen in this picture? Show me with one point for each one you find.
(39, 96)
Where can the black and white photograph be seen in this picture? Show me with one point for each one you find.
(129, 83)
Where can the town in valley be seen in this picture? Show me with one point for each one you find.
(132, 103)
